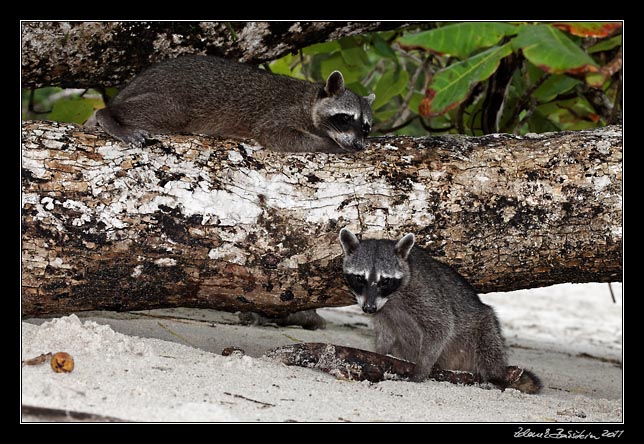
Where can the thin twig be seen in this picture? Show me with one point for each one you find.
(459, 118)
(431, 129)
(41, 359)
(266, 404)
(31, 107)
(528, 114)
(396, 128)
(618, 100)
(373, 72)
(404, 115)
(523, 102)
(612, 295)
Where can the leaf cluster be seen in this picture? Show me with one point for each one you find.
(478, 77)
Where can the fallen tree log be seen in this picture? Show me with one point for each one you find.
(93, 54)
(202, 222)
(362, 365)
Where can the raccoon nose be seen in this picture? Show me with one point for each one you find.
(369, 308)
(358, 145)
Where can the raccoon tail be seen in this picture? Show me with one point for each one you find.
(527, 382)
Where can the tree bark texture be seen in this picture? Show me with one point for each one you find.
(203, 222)
(93, 54)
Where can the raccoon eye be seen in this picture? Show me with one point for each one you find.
(343, 118)
(388, 285)
(355, 280)
(366, 128)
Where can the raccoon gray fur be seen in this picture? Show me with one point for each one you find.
(424, 311)
(215, 96)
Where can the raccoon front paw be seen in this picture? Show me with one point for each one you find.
(135, 138)
(423, 371)
(420, 375)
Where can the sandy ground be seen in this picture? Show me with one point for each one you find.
(166, 365)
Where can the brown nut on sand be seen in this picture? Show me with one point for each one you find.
(62, 362)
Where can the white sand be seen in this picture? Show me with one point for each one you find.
(166, 365)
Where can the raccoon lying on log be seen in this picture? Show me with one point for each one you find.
(215, 96)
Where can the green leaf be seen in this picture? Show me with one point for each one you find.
(358, 88)
(571, 114)
(553, 86)
(552, 51)
(606, 45)
(589, 29)
(389, 86)
(336, 62)
(596, 79)
(382, 115)
(539, 123)
(73, 109)
(533, 72)
(451, 86)
(322, 48)
(283, 66)
(355, 57)
(414, 102)
(460, 39)
(382, 48)
(111, 92)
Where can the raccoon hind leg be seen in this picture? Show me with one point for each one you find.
(133, 119)
(126, 133)
(491, 357)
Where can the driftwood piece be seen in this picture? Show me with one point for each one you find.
(93, 54)
(31, 413)
(360, 365)
(343, 362)
(201, 222)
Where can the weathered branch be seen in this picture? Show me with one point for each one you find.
(197, 221)
(362, 365)
(34, 413)
(92, 54)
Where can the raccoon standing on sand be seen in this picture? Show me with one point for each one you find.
(215, 96)
(425, 312)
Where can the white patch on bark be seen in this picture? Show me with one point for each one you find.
(36, 167)
(57, 263)
(603, 146)
(228, 208)
(228, 253)
(165, 262)
(235, 157)
(508, 213)
(251, 41)
(48, 203)
(599, 183)
(137, 271)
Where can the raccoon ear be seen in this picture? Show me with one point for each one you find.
(370, 98)
(349, 241)
(334, 84)
(404, 245)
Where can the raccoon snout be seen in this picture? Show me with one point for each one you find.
(358, 145)
(369, 308)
